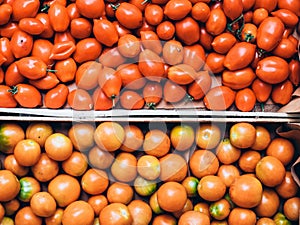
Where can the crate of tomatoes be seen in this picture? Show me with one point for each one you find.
(100, 55)
(149, 172)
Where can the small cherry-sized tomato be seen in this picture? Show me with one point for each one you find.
(200, 12)
(80, 99)
(91, 9)
(26, 95)
(101, 101)
(24, 9)
(282, 92)
(177, 9)
(238, 79)
(245, 100)
(152, 94)
(223, 43)
(269, 33)
(6, 98)
(32, 26)
(48, 30)
(129, 45)
(151, 65)
(165, 30)
(45, 83)
(272, 69)
(240, 56)
(65, 70)
(232, 8)
(154, 14)
(105, 32)
(150, 40)
(58, 17)
(62, 50)
(249, 33)
(182, 74)
(32, 67)
(216, 22)
(42, 49)
(200, 86)
(56, 97)
(187, 30)
(21, 43)
(219, 98)
(5, 12)
(129, 15)
(262, 90)
(194, 55)
(87, 49)
(131, 100)
(294, 67)
(80, 28)
(285, 49)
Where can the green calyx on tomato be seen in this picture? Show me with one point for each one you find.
(227, 197)
(26, 190)
(280, 219)
(236, 26)
(4, 141)
(144, 187)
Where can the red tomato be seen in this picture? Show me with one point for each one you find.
(56, 97)
(62, 50)
(165, 30)
(63, 36)
(187, 30)
(24, 9)
(26, 95)
(131, 76)
(238, 79)
(154, 14)
(282, 92)
(269, 5)
(131, 100)
(200, 86)
(262, 90)
(182, 74)
(129, 15)
(73, 11)
(42, 49)
(101, 101)
(245, 100)
(86, 76)
(294, 77)
(194, 55)
(216, 22)
(249, 33)
(48, 30)
(150, 40)
(5, 12)
(87, 49)
(152, 93)
(105, 32)
(111, 57)
(173, 52)
(65, 70)
(200, 11)
(32, 26)
(80, 99)
(177, 9)
(214, 62)
(90, 9)
(173, 92)
(58, 17)
(80, 28)
(6, 98)
(32, 67)
(13, 76)
(6, 51)
(233, 8)
(21, 43)
(129, 46)
(223, 43)
(219, 98)
(292, 5)
(288, 17)
(285, 49)
(45, 83)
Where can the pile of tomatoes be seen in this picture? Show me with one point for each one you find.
(122, 174)
(134, 54)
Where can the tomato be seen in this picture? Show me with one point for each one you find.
(105, 32)
(129, 46)
(219, 98)
(26, 95)
(87, 49)
(193, 216)
(73, 11)
(115, 213)
(290, 5)
(223, 43)
(56, 218)
(27, 152)
(173, 168)
(187, 30)
(24, 9)
(98, 202)
(164, 219)
(241, 215)
(173, 52)
(269, 204)
(144, 187)
(227, 153)
(148, 167)
(45, 83)
(63, 36)
(200, 86)
(220, 209)
(151, 65)
(238, 79)
(262, 90)
(233, 8)
(173, 193)
(228, 173)
(294, 67)
(214, 62)
(248, 160)
(81, 135)
(11, 134)
(207, 136)
(6, 51)
(7, 99)
(291, 208)
(45, 169)
(10, 163)
(182, 74)
(86, 76)
(43, 204)
(173, 92)
(265, 221)
(80, 28)
(101, 101)
(48, 30)
(65, 189)
(242, 135)
(156, 143)
(288, 187)
(266, 169)
(58, 17)
(130, 76)
(120, 29)
(182, 137)
(129, 15)
(21, 43)
(32, 67)
(26, 216)
(269, 33)
(42, 49)
(282, 92)
(280, 219)
(32, 26)
(209, 163)
(144, 27)
(62, 50)
(6, 12)
(91, 9)
(111, 57)
(58, 146)
(140, 212)
(119, 192)
(10, 185)
(124, 167)
(78, 212)
(11, 207)
(94, 181)
(56, 97)
(152, 94)
(177, 9)
(100, 159)
(165, 30)
(154, 14)
(288, 17)
(194, 56)
(263, 138)
(245, 100)
(80, 99)
(39, 132)
(200, 11)
(285, 49)
(29, 186)
(216, 22)
(272, 70)
(211, 188)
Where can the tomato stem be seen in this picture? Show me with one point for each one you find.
(262, 105)
(115, 7)
(45, 8)
(249, 37)
(261, 52)
(113, 97)
(151, 105)
(13, 90)
(145, 2)
(237, 32)
(50, 70)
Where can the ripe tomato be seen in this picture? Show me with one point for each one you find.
(87, 49)
(105, 32)
(148, 167)
(56, 218)
(173, 52)
(43, 204)
(291, 208)
(242, 135)
(56, 97)
(98, 202)
(81, 135)
(120, 193)
(131, 76)
(48, 30)
(290, 5)
(65, 70)
(269, 33)
(282, 92)
(62, 50)
(288, 17)
(263, 138)
(6, 51)
(21, 43)
(6, 12)
(26, 95)
(154, 14)
(241, 215)
(288, 187)
(150, 40)
(227, 153)
(131, 100)
(129, 46)
(238, 79)
(58, 146)
(94, 181)
(268, 5)
(262, 90)
(32, 67)
(220, 209)
(32, 26)
(173, 92)
(181, 74)
(63, 36)
(10, 185)
(10, 163)
(152, 94)
(78, 212)
(165, 30)
(233, 8)
(6, 98)
(91, 9)
(208, 136)
(140, 212)
(214, 62)
(100, 159)
(269, 204)
(45, 169)
(294, 67)
(245, 100)
(216, 22)
(164, 219)
(45, 83)
(285, 49)
(223, 42)
(27, 152)
(58, 17)
(26, 216)
(24, 9)
(194, 56)
(211, 188)
(200, 11)
(42, 49)
(80, 99)
(156, 143)
(177, 9)
(80, 28)
(72, 10)
(228, 173)
(219, 98)
(129, 15)
(115, 213)
(193, 216)
(101, 101)
(187, 30)
(124, 167)
(200, 86)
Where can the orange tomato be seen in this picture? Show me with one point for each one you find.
(133, 140)
(45, 169)
(156, 143)
(288, 187)
(98, 202)
(216, 22)
(242, 135)
(43, 204)
(11, 164)
(56, 218)
(140, 212)
(7, 99)
(248, 160)
(245, 100)
(148, 167)
(129, 15)
(208, 136)
(226, 152)
(80, 27)
(58, 146)
(263, 138)
(228, 173)
(103, 26)
(238, 79)
(100, 159)
(81, 135)
(45, 83)
(76, 164)
(119, 193)
(211, 188)
(26, 95)
(26, 216)
(269, 204)
(165, 30)
(10, 185)
(58, 17)
(87, 49)
(27, 152)
(78, 212)
(115, 213)
(124, 167)
(94, 181)
(173, 92)
(177, 9)
(80, 99)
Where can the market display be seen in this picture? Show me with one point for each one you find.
(116, 173)
(99, 55)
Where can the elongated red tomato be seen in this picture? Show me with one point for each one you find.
(32, 67)
(45, 83)
(105, 32)
(80, 99)
(56, 97)
(32, 26)
(223, 43)
(216, 22)
(269, 33)
(26, 95)
(131, 76)
(245, 100)
(282, 93)
(58, 17)
(182, 74)
(129, 15)
(21, 43)
(194, 55)
(101, 101)
(269, 5)
(152, 94)
(91, 9)
(219, 98)
(24, 9)
(288, 17)
(285, 49)
(262, 90)
(5, 12)
(6, 51)
(6, 98)
(238, 79)
(150, 40)
(294, 67)
(87, 49)
(200, 86)
(177, 9)
(187, 30)
(42, 49)
(232, 8)
(131, 100)
(62, 50)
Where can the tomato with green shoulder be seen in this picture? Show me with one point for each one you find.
(10, 135)
(29, 186)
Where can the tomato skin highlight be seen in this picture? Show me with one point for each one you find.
(56, 97)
